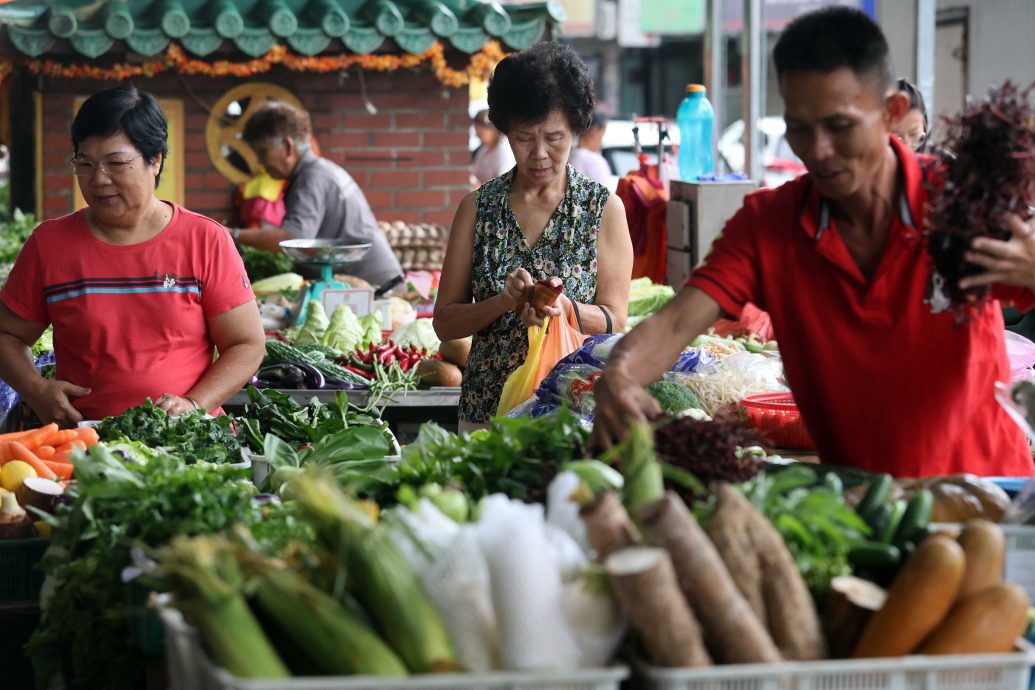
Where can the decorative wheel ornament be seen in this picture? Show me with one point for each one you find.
(231, 155)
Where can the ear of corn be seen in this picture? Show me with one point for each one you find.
(379, 576)
(329, 638)
(207, 581)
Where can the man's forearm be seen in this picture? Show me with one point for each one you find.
(227, 375)
(17, 368)
(267, 239)
(651, 348)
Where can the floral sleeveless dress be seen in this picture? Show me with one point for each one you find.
(567, 249)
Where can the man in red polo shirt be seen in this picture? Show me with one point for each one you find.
(838, 260)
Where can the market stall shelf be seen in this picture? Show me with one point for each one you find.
(434, 397)
(191, 669)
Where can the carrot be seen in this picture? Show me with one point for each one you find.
(60, 438)
(20, 452)
(68, 447)
(89, 435)
(37, 436)
(61, 469)
(45, 452)
(15, 435)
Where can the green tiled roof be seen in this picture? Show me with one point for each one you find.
(309, 27)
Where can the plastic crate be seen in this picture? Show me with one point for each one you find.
(20, 576)
(190, 669)
(1020, 557)
(778, 416)
(970, 672)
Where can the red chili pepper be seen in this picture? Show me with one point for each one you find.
(415, 357)
(387, 357)
(356, 370)
(404, 364)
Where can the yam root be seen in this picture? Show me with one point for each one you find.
(919, 598)
(791, 615)
(988, 622)
(608, 525)
(730, 531)
(645, 583)
(848, 607)
(733, 632)
(984, 547)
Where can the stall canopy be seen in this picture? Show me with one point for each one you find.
(253, 27)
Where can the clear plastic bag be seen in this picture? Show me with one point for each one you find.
(1021, 353)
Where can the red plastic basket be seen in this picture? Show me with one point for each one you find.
(778, 416)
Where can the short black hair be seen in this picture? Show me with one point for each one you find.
(124, 109)
(528, 85)
(278, 120)
(831, 38)
(916, 99)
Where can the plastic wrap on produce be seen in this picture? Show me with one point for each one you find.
(458, 584)
(527, 589)
(571, 384)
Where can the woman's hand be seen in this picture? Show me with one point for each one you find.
(516, 288)
(559, 309)
(52, 402)
(174, 405)
(1008, 262)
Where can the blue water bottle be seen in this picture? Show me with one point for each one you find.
(696, 120)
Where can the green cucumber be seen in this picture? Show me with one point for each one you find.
(898, 510)
(876, 495)
(918, 516)
(878, 520)
(873, 555)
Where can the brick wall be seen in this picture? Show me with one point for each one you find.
(411, 158)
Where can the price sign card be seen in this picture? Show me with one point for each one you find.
(361, 300)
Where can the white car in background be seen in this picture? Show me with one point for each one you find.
(780, 162)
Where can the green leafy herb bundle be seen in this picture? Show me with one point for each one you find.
(192, 437)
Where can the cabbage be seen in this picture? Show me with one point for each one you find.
(371, 325)
(646, 297)
(420, 333)
(315, 325)
(344, 332)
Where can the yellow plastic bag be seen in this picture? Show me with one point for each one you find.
(546, 347)
(521, 384)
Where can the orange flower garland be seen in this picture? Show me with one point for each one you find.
(480, 64)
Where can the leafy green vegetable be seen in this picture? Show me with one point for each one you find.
(273, 412)
(45, 343)
(673, 397)
(13, 235)
(260, 263)
(518, 457)
(646, 297)
(116, 506)
(817, 525)
(193, 436)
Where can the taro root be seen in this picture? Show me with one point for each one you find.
(985, 168)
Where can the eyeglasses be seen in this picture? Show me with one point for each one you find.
(85, 168)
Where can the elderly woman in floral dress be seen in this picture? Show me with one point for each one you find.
(543, 220)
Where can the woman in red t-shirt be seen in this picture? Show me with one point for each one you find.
(141, 292)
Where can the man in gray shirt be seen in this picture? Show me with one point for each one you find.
(322, 201)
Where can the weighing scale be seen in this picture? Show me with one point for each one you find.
(326, 254)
